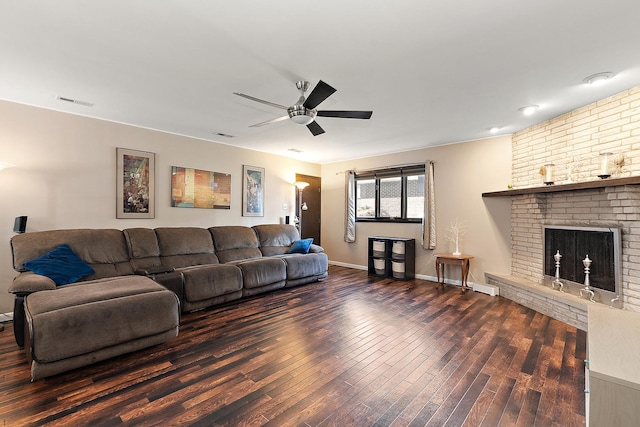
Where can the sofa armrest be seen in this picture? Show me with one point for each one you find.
(315, 249)
(167, 277)
(29, 282)
(24, 284)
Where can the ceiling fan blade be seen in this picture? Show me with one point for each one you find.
(262, 101)
(319, 93)
(345, 114)
(315, 128)
(268, 122)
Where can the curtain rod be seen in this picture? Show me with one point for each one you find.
(383, 167)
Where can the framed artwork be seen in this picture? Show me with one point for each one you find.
(136, 184)
(195, 188)
(252, 191)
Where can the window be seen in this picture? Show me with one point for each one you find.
(393, 195)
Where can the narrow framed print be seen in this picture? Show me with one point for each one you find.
(135, 189)
(252, 191)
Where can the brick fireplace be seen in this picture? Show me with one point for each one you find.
(615, 206)
(573, 142)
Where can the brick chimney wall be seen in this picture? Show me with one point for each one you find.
(574, 141)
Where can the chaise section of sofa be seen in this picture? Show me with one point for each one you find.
(81, 324)
(104, 250)
(103, 314)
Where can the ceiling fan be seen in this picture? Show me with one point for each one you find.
(304, 111)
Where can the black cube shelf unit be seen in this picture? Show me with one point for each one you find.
(392, 257)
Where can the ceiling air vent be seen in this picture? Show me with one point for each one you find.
(223, 134)
(74, 101)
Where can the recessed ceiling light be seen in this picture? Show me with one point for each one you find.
(295, 150)
(598, 78)
(529, 110)
(494, 129)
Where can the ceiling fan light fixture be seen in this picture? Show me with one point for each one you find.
(301, 115)
(301, 119)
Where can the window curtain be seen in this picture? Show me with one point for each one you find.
(429, 218)
(350, 207)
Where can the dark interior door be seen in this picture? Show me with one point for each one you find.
(310, 217)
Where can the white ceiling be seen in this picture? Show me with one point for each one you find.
(433, 72)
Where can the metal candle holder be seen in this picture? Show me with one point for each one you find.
(557, 280)
(587, 270)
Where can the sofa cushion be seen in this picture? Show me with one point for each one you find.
(143, 247)
(235, 243)
(259, 272)
(61, 265)
(300, 246)
(105, 250)
(203, 282)
(305, 265)
(142, 242)
(276, 239)
(185, 246)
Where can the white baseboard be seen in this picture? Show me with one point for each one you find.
(344, 264)
(478, 287)
(486, 289)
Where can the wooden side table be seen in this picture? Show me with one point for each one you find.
(462, 260)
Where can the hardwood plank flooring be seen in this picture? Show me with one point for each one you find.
(351, 350)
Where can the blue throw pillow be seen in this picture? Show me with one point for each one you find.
(61, 265)
(301, 246)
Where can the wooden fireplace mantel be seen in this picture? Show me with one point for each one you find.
(556, 188)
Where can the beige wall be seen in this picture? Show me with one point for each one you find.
(462, 173)
(66, 175)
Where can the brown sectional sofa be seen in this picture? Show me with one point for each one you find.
(203, 267)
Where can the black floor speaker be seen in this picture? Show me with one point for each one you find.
(20, 224)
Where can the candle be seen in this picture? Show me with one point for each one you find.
(548, 172)
(604, 164)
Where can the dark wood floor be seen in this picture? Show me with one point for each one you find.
(349, 351)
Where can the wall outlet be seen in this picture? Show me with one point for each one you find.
(285, 207)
